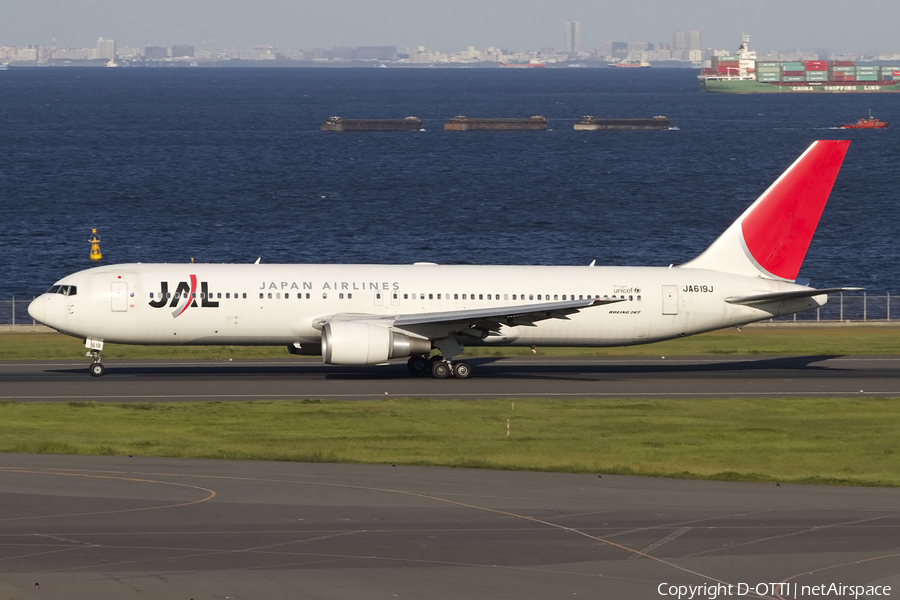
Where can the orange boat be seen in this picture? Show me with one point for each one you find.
(867, 123)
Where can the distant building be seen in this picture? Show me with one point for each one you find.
(182, 51)
(374, 52)
(156, 52)
(106, 49)
(693, 41)
(604, 50)
(686, 45)
(571, 36)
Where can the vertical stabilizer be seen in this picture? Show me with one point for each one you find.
(772, 236)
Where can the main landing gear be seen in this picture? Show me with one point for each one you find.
(438, 367)
(96, 369)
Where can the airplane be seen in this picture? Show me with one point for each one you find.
(369, 314)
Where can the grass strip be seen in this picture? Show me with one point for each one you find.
(787, 340)
(850, 441)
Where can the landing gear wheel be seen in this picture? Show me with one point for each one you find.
(418, 364)
(462, 370)
(97, 369)
(440, 370)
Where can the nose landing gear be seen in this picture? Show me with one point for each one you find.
(96, 369)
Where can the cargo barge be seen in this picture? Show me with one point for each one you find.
(461, 123)
(340, 124)
(588, 123)
(743, 74)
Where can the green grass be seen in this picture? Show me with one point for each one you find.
(839, 441)
(786, 340)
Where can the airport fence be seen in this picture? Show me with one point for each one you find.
(840, 308)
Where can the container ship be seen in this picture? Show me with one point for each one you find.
(743, 74)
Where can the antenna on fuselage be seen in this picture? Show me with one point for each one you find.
(257, 260)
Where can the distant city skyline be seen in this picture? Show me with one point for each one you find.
(866, 26)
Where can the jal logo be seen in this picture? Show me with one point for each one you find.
(184, 296)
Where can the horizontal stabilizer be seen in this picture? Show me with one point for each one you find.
(779, 296)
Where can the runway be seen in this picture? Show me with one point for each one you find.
(112, 527)
(662, 377)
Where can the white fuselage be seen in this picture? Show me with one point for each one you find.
(286, 304)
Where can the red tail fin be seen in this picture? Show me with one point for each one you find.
(781, 224)
(775, 232)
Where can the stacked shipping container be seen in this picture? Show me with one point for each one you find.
(812, 71)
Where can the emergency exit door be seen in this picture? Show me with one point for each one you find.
(670, 299)
(119, 297)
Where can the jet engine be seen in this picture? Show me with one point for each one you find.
(361, 343)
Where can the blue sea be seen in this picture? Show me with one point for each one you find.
(229, 165)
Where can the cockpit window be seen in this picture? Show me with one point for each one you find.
(65, 290)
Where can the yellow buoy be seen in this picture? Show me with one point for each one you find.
(95, 246)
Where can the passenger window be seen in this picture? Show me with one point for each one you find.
(245, 294)
(151, 295)
(299, 296)
(439, 297)
(539, 296)
(564, 296)
(531, 297)
(324, 295)
(341, 296)
(456, 296)
(261, 296)
(277, 296)
(395, 295)
(270, 295)
(218, 295)
(377, 295)
(349, 296)
(406, 296)
(168, 294)
(431, 296)
(639, 298)
(464, 296)
(481, 296)
(630, 297)
(227, 295)
(193, 295)
(555, 297)
(489, 296)
(514, 296)
(505, 296)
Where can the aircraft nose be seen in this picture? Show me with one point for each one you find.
(37, 308)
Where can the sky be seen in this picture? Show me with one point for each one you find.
(861, 27)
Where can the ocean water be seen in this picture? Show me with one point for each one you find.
(229, 165)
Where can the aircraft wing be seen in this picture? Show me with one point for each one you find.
(755, 299)
(480, 319)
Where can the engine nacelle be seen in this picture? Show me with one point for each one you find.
(361, 343)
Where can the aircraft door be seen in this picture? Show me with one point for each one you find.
(119, 297)
(670, 300)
